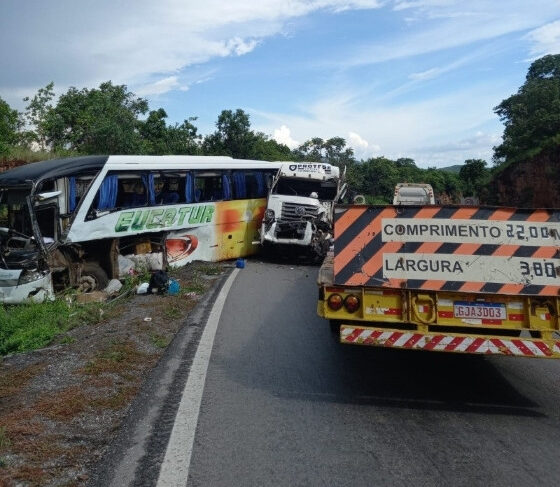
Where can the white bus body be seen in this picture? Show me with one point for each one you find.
(68, 222)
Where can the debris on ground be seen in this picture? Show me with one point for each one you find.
(61, 406)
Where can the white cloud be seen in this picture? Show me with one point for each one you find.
(283, 135)
(239, 46)
(109, 40)
(160, 87)
(545, 39)
(448, 23)
(362, 148)
(439, 131)
(425, 75)
(356, 141)
(433, 73)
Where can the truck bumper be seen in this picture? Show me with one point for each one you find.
(449, 342)
(287, 233)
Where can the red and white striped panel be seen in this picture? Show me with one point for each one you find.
(449, 343)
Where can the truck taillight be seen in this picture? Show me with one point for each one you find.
(351, 303)
(335, 302)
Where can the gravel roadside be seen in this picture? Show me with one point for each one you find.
(61, 406)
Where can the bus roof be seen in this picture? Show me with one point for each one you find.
(38, 171)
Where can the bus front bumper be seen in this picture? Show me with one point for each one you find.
(36, 291)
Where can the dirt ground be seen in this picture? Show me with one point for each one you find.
(62, 405)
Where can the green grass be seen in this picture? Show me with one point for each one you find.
(210, 269)
(172, 312)
(31, 326)
(159, 340)
(194, 286)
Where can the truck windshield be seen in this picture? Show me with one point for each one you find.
(326, 190)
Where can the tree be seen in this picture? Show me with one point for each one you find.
(267, 149)
(103, 120)
(233, 136)
(36, 114)
(474, 176)
(532, 115)
(183, 138)
(8, 128)
(154, 133)
(158, 138)
(331, 151)
(408, 171)
(377, 178)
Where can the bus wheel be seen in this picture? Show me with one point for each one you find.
(94, 278)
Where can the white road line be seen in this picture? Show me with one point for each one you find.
(175, 467)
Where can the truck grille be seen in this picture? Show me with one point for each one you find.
(290, 211)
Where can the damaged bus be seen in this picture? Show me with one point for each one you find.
(69, 222)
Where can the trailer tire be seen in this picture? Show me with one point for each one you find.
(93, 277)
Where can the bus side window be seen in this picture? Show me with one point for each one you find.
(239, 186)
(169, 188)
(131, 193)
(255, 184)
(211, 187)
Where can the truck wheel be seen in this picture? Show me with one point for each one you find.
(93, 278)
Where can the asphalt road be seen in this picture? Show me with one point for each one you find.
(283, 404)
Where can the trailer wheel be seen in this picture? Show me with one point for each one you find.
(93, 278)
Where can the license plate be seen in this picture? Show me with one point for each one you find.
(485, 311)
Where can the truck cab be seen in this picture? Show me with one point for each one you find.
(299, 212)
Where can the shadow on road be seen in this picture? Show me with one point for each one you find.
(291, 354)
(420, 380)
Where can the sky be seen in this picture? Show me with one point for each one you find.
(394, 78)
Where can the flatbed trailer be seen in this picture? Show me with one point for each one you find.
(481, 280)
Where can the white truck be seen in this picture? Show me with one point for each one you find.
(413, 194)
(299, 213)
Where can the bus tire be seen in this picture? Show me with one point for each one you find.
(94, 278)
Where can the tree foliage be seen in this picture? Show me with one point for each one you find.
(233, 137)
(532, 115)
(112, 120)
(103, 120)
(8, 128)
(35, 115)
(474, 175)
(332, 151)
(160, 139)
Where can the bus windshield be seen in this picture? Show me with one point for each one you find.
(14, 212)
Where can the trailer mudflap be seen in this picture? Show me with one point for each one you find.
(355, 334)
